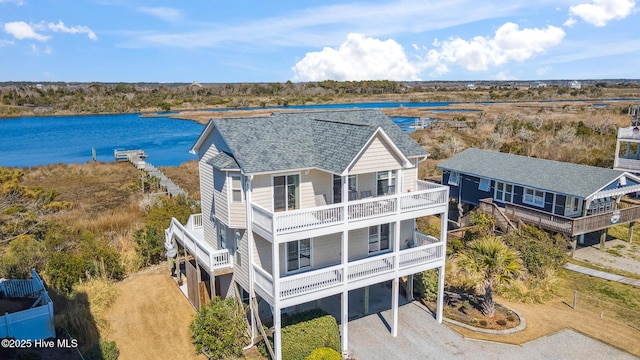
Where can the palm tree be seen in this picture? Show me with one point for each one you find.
(493, 262)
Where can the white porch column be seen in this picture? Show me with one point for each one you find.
(440, 300)
(394, 306)
(344, 320)
(249, 260)
(277, 334)
(275, 253)
(443, 238)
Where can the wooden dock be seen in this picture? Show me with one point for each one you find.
(138, 159)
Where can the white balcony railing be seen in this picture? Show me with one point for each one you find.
(428, 195)
(191, 238)
(427, 249)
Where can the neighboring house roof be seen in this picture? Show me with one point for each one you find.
(329, 140)
(560, 177)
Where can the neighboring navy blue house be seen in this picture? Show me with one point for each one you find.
(537, 186)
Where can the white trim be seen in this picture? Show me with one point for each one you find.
(533, 197)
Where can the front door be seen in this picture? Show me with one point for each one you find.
(572, 207)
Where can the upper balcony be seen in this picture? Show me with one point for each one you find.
(426, 252)
(191, 237)
(430, 198)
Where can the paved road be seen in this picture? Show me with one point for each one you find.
(421, 337)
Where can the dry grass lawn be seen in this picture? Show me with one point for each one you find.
(151, 317)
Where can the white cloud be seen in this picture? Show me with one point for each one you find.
(17, 2)
(358, 58)
(165, 13)
(5, 42)
(80, 29)
(37, 51)
(600, 12)
(21, 30)
(478, 54)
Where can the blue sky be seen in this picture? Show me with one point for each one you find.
(276, 41)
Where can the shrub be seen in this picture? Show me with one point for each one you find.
(501, 322)
(426, 284)
(538, 250)
(511, 318)
(149, 245)
(324, 354)
(306, 331)
(483, 322)
(299, 340)
(219, 329)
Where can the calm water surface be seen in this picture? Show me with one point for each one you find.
(33, 141)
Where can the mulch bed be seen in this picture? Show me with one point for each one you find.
(466, 309)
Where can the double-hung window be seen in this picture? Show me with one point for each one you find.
(533, 197)
(298, 254)
(236, 188)
(504, 192)
(379, 237)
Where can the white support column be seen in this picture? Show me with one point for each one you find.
(277, 333)
(443, 238)
(249, 260)
(344, 320)
(440, 300)
(394, 306)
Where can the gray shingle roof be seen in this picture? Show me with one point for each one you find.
(328, 140)
(224, 161)
(559, 177)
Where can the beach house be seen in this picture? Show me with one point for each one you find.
(562, 197)
(306, 208)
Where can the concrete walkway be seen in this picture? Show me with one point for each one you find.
(421, 337)
(602, 274)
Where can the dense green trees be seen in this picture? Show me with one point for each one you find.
(219, 329)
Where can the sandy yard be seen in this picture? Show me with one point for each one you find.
(150, 319)
(618, 254)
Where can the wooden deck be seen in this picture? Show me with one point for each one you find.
(565, 225)
(138, 159)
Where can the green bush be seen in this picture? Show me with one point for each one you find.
(324, 354)
(149, 244)
(219, 329)
(299, 340)
(426, 284)
(538, 250)
(304, 332)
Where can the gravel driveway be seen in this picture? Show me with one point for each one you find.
(421, 337)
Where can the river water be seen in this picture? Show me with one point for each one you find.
(34, 141)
